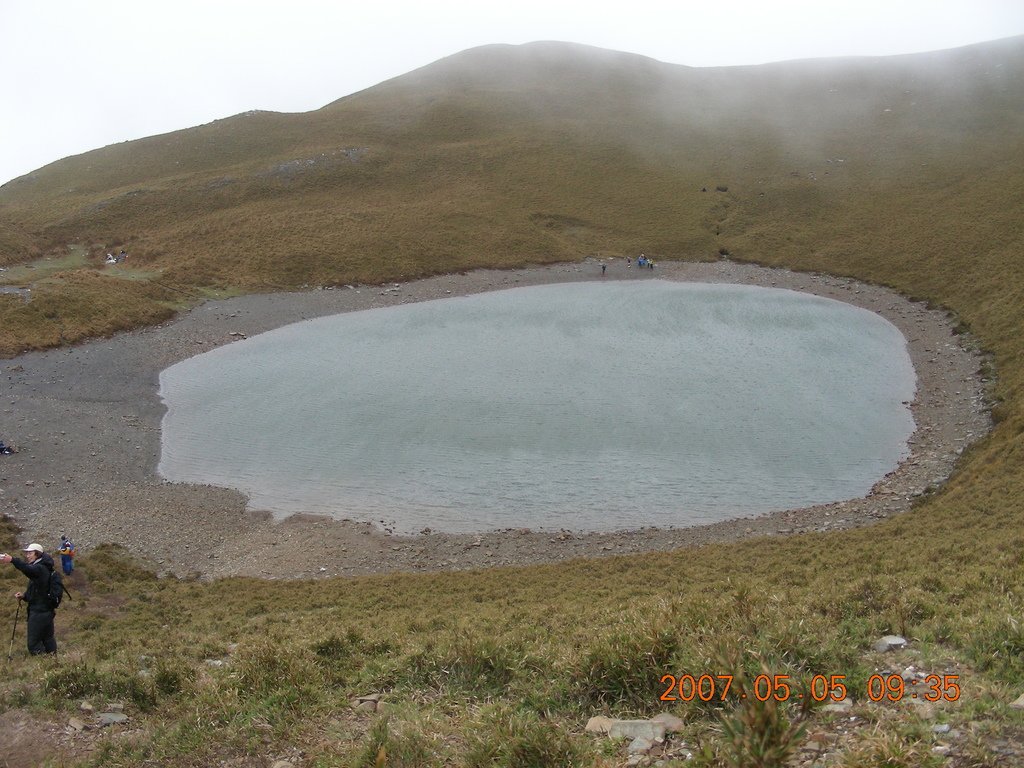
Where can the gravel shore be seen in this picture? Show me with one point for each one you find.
(87, 422)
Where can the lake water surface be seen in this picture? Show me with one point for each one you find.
(587, 406)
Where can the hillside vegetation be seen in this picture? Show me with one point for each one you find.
(907, 171)
(504, 155)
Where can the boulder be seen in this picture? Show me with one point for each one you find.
(111, 718)
(890, 643)
(840, 706)
(640, 746)
(672, 723)
(636, 729)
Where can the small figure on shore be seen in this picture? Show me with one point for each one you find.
(603, 268)
(38, 567)
(5, 450)
(67, 555)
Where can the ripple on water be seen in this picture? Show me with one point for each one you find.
(582, 406)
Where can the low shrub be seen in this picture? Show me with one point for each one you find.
(755, 733)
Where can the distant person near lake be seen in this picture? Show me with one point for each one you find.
(67, 555)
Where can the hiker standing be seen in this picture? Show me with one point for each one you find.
(38, 567)
(67, 555)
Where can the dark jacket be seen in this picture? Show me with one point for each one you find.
(37, 595)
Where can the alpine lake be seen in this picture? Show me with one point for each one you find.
(579, 406)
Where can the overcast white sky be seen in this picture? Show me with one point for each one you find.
(79, 74)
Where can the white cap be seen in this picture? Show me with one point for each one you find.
(33, 548)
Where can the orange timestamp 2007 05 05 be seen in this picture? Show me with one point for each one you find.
(822, 688)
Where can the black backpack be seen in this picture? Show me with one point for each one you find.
(55, 590)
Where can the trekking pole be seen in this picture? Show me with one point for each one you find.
(17, 615)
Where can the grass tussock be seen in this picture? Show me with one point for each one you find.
(507, 738)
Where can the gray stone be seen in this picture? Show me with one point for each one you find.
(943, 728)
(672, 723)
(598, 724)
(890, 643)
(369, 702)
(77, 725)
(86, 707)
(840, 706)
(111, 718)
(640, 746)
(634, 729)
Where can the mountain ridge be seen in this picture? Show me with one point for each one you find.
(474, 160)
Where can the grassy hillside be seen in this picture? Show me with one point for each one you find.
(504, 155)
(907, 171)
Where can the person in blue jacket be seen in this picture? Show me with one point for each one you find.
(37, 566)
(67, 555)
